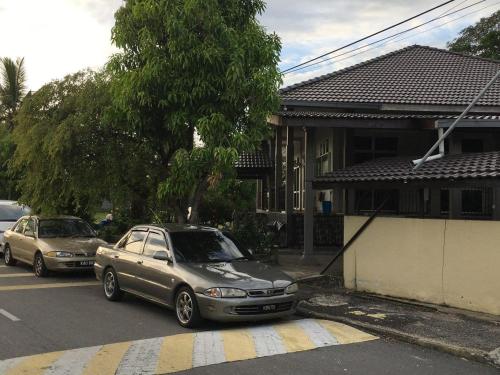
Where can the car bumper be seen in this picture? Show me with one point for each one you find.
(69, 264)
(246, 309)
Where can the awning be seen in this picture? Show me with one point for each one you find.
(478, 167)
(252, 165)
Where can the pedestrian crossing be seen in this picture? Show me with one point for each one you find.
(170, 354)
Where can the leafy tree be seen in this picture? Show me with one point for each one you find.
(12, 89)
(482, 39)
(189, 67)
(71, 154)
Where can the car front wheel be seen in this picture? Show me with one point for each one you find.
(111, 287)
(186, 308)
(39, 267)
(7, 256)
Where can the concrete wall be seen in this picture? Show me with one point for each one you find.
(452, 262)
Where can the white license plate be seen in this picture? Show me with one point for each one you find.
(86, 263)
(269, 308)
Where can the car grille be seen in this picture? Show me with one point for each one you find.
(89, 254)
(266, 292)
(258, 309)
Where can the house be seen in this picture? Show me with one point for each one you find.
(344, 143)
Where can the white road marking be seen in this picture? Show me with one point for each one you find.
(317, 333)
(141, 358)
(267, 341)
(208, 349)
(8, 364)
(25, 274)
(8, 315)
(72, 362)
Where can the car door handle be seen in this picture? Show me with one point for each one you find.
(117, 256)
(139, 262)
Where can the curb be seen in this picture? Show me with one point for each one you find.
(460, 351)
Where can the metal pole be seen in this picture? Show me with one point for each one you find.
(462, 115)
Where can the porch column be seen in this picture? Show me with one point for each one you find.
(309, 194)
(290, 229)
(271, 176)
(278, 164)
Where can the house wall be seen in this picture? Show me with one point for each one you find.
(451, 262)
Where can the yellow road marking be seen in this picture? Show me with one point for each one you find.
(176, 354)
(238, 345)
(106, 361)
(35, 365)
(294, 337)
(346, 334)
(46, 286)
(17, 275)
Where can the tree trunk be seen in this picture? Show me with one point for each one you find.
(196, 199)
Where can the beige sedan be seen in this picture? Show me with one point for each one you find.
(58, 243)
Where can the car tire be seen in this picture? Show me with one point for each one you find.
(7, 257)
(110, 285)
(39, 267)
(187, 311)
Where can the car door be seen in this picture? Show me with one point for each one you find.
(15, 239)
(156, 274)
(128, 260)
(28, 243)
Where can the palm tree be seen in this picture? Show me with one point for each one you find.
(12, 88)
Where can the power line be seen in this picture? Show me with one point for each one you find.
(371, 35)
(380, 44)
(304, 66)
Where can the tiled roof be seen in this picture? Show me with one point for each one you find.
(450, 167)
(412, 75)
(377, 116)
(257, 159)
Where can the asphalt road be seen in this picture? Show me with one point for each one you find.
(69, 311)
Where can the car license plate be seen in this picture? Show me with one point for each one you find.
(86, 263)
(268, 307)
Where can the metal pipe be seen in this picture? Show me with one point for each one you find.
(452, 126)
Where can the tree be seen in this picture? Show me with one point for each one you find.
(189, 67)
(482, 39)
(12, 89)
(71, 153)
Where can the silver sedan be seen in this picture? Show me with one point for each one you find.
(198, 271)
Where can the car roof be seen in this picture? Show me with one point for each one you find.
(172, 228)
(51, 217)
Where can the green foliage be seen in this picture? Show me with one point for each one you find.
(482, 39)
(69, 152)
(12, 88)
(189, 67)
(7, 180)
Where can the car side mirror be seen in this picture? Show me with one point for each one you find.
(162, 255)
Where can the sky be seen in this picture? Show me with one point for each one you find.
(59, 37)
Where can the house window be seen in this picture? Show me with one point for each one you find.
(477, 202)
(323, 161)
(445, 201)
(472, 145)
(369, 148)
(298, 185)
(370, 200)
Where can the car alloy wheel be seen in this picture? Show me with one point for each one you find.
(39, 266)
(184, 307)
(7, 257)
(111, 286)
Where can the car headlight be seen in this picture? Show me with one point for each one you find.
(292, 288)
(225, 293)
(60, 254)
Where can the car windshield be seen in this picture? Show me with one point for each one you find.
(205, 247)
(64, 228)
(12, 212)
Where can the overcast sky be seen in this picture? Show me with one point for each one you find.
(58, 37)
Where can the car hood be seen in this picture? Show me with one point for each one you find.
(72, 244)
(239, 274)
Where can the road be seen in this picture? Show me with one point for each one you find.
(63, 325)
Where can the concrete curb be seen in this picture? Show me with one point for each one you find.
(460, 351)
